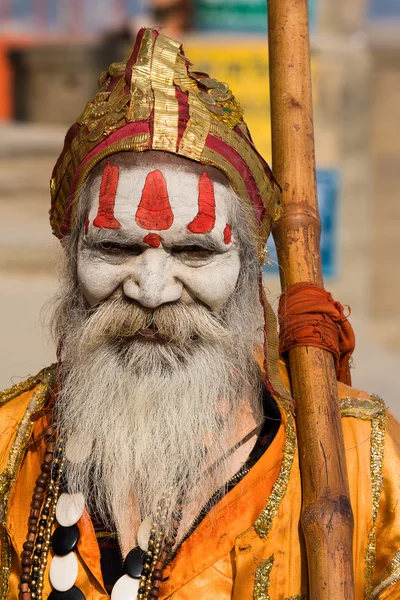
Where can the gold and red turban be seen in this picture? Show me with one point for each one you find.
(154, 101)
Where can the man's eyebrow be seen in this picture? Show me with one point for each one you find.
(102, 235)
(118, 236)
(206, 241)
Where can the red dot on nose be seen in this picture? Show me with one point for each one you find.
(152, 239)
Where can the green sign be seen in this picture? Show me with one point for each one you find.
(235, 15)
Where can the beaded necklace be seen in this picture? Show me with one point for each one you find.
(143, 565)
(42, 511)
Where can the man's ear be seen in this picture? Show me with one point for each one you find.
(64, 245)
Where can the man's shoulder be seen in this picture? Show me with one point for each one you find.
(359, 404)
(17, 405)
(20, 393)
(353, 402)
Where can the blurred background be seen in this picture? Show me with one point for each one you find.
(51, 53)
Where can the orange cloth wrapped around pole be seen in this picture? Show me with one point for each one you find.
(309, 316)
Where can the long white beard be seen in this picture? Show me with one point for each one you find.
(146, 416)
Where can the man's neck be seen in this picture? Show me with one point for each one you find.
(247, 429)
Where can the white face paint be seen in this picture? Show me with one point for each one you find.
(160, 245)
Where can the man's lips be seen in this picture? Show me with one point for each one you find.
(148, 333)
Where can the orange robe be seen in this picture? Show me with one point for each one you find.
(249, 547)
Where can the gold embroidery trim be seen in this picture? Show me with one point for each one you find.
(297, 597)
(101, 116)
(264, 521)
(166, 114)
(5, 564)
(141, 95)
(7, 478)
(272, 358)
(360, 408)
(197, 129)
(181, 78)
(378, 429)
(262, 580)
(269, 194)
(212, 158)
(23, 386)
(251, 159)
(389, 577)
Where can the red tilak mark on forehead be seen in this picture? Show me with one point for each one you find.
(227, 234)
(108, 190)
(154, 210)
(152, 239)
(204, 221)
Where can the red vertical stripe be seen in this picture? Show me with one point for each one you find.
(204, 221)
(154, 210)
(108, 190)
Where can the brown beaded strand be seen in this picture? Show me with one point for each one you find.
(164, 553)
(43, 538)
(146, 588)
(38, 495)
(155, 543)
(42, 511)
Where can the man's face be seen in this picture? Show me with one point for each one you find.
(159, 234)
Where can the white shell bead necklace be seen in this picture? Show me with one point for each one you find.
(139, 564)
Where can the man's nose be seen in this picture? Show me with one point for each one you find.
(152, 281)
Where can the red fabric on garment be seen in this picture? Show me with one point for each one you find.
(183, 114)
(309, 316)
(228, 153)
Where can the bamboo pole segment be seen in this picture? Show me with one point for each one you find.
(326, 519)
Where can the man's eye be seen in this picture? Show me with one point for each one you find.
(114, 248)
(108, 246)
(192, 252)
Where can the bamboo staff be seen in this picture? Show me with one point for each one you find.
(326, 519)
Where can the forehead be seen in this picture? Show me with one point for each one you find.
(159, 195)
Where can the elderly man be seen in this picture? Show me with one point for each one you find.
(158, 458)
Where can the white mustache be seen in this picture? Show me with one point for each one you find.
(179, 324)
